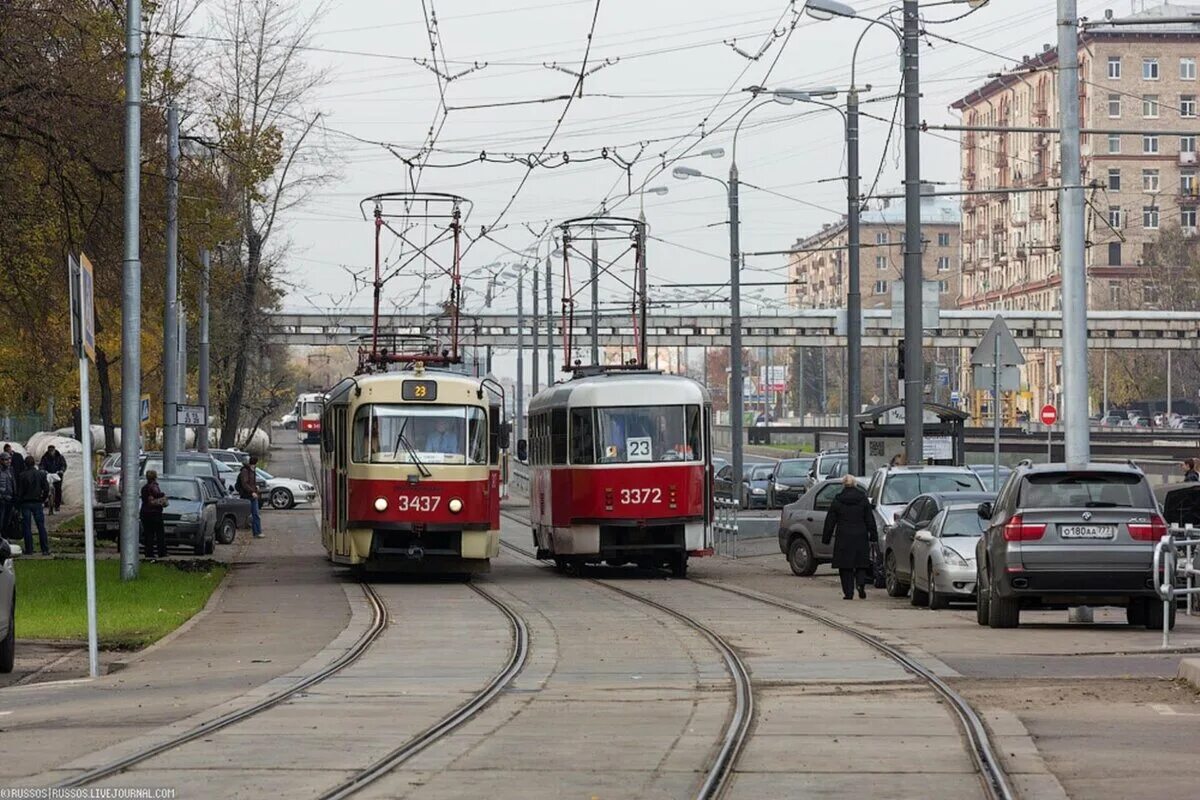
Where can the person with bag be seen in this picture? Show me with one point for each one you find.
(54, 463)
(851, 518)
(8, 494)
(247, 489)
(154, 500)
(32, 491)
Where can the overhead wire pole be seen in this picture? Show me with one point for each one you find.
(595, 301)
(549, 324)
(131, 293)
(518, 412)
(853, 290)
(914, 371)
(536, 328)
(170, 399)
(202, 348)
(1076, 444)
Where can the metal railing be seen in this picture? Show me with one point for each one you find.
(725, 526)
(1177, 561)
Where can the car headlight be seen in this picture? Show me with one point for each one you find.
(952, 558)
(779, 487)
(308, 487)
(455, 505)
(190, 516)
(758, 491)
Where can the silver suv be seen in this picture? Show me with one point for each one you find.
(1060, 536)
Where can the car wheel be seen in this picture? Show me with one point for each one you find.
(891, 579)
(937, 601)
(1135, 612)
(210, 545)
(1154, 614)
(200, 547)
(1003, 612)
(981, 598)
(919, 597)
(8, 648)
(227, 531)
(281, 498)
(800, 557)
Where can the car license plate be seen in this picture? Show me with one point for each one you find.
(1087, 531)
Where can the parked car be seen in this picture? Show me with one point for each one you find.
(1060, 536)
(985, 472)
(943, 556)
(284, 493)
(232, 511)
(898, 560)
(1190, 423)
(801, 525)
(893, 488)
(288, 421)
(835, 466)
(233, 457)
(190, 517)
(790, 479)
(753, 490)
(8, 606)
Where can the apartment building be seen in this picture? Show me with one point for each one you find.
(1138, 108)
(818, 261)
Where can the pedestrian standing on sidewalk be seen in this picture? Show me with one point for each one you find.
(32, 491)
(8, 493)
(247, 487)
(851, 519)
(54, 463)
(154, 500)
(1190, 475)
(18, 460)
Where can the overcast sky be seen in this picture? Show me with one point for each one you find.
(671, 71)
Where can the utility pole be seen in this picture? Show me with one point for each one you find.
(853, 291)
(131, 293)
(735, 332)
(595, 300)
(549, 328)
(1076, 443)
(170, 444)
(536, 330)
(181, 430)
(519, 412)
(914, 371)
(643, 287)
(202, 355)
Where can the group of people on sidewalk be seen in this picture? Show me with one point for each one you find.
(25, 491)
(154, 500)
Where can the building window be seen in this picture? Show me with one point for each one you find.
(1114, 180)
(1114, 106)
(1114, 254)
(1149, 180)
(881, 238)
(1149, 143)
(1114, 217)
(1150, 218)
(1187, 69)
(943, 263)
(943, 287)
(1187, 217)
(1150, 69)
(943, 240)
(881, 287)
(1187, 105)
(1114, 293)
(1150, 106)
(1114, 67)
(1187, 182)
(1114, 143)
(1187, 144)
(881, 262)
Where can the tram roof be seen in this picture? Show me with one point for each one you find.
(622, 389)
(380, 380)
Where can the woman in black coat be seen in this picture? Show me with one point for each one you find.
(851, 518)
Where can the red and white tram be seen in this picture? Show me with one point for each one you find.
(620, 470)
(308, 417)
(410, 465)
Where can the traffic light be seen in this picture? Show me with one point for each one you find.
(900, 359)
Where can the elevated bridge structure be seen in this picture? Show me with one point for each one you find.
(1117, 330)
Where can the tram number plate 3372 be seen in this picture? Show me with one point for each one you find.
(425, 503)
(637, 497)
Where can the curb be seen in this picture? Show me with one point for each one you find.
(1189, 672)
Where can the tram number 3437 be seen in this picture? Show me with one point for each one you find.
(634, 497)
(424, 503)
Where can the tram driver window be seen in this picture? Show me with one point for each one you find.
(431, 434)
(583, 446)
(632, 434)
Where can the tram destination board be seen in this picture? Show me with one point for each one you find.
(419, 390)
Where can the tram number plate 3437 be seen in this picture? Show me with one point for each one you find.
(425, 503)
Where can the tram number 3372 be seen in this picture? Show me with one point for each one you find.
(424, 503)
(635, 497)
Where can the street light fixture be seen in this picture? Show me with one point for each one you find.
(828, 9)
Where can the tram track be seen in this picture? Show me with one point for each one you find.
(993, 778)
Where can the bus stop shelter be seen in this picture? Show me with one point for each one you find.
(881, 435)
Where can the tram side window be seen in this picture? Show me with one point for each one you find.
(327, 433)
(558, 436)
(583, 447)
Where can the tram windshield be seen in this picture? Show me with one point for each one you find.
(425, 434)
(310, 408)
(648, 433)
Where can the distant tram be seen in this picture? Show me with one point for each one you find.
(621, 470)
(308, 417)
(410, 472)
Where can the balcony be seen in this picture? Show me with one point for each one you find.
(1019, 218)
(968, 265)
(1021, 254)
(1189, 195)
(998, 226)
(981, 230)
(1040, 178)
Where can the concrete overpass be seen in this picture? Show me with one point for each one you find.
(1119, 330)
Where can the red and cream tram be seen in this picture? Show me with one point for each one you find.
(308, 417)
(620, 470)
(410, 465)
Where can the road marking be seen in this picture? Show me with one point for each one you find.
(1167, 711)
(5, 713)
(68, 682)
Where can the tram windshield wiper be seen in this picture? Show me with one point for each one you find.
(402, 440)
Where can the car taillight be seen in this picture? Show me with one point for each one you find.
(1150, 531)
(1018, 530)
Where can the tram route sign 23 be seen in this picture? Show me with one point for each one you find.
(419, 391)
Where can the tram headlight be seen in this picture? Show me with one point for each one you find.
(381, 504)
(455, 505)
